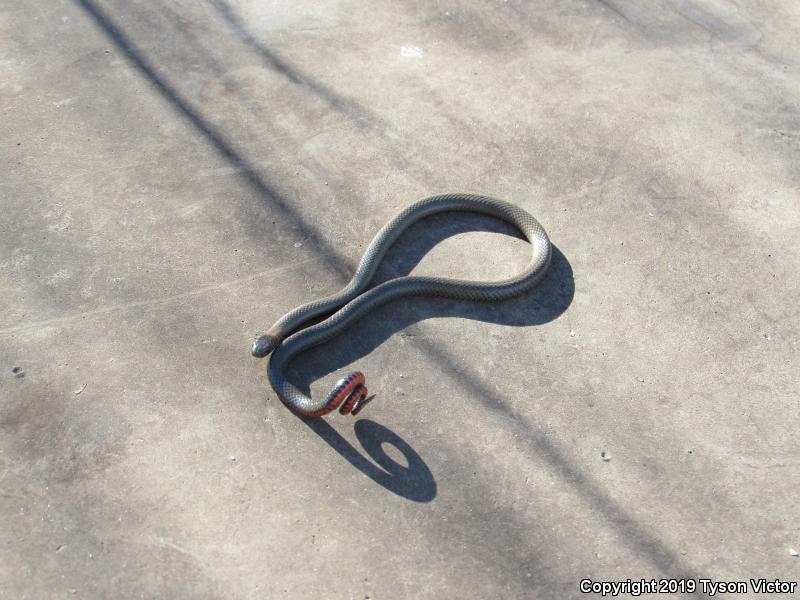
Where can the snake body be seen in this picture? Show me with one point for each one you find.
(290, 335)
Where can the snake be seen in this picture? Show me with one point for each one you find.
(318, 321)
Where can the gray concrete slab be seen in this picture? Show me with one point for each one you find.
(177, 175)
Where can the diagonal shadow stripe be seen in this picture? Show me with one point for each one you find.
(278, 64)
(327, 252)
(635, 535)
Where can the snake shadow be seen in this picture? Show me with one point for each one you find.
(540, 305)
(413, 481)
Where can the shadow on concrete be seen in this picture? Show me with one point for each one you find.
(325, 249)
(414, 481)
(276, 63)
(544, 303)
(637, 535)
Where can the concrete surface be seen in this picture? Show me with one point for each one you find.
(177, 175)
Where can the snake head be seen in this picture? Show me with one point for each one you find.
(264, 345)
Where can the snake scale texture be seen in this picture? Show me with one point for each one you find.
(291, 335)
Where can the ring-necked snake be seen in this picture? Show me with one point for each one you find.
(288, 337)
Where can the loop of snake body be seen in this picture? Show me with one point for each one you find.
(291, 335)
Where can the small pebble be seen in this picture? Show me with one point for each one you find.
(794, 552)
(232, 458)
(605, 456)
(18, 372)
(298, 244)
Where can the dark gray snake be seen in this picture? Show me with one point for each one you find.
(287, 338)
